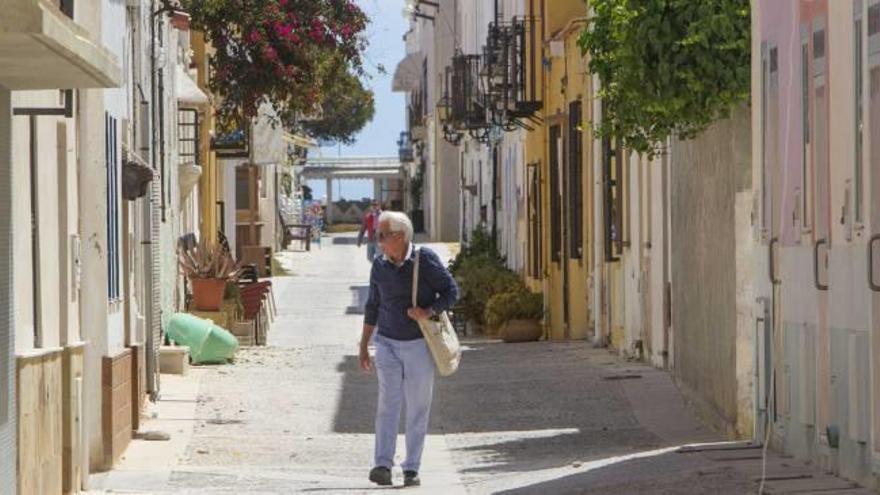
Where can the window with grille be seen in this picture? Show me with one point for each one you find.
(188, 136)
(112, 162)
(575, 179)
(613, 180)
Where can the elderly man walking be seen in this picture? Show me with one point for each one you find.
(403, 362)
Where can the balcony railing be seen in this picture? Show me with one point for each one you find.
(510, 73)
(462, 108)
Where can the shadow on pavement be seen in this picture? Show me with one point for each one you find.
(501, 416)
(359, 295)
(345, 241)
(671, 473)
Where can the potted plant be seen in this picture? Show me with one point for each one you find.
(208, 267)
(516, 315)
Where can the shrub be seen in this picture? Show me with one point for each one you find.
(480, 277)
(518, 304)
(481, 244)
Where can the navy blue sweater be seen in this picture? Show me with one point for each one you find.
(391, 293)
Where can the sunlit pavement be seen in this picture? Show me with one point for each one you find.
(543, 418)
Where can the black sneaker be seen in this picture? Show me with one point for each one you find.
(411, 478)
(381, 476)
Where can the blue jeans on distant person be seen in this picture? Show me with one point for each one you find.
(372, 251)
(406, 376)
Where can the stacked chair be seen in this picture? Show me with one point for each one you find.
(258, 304)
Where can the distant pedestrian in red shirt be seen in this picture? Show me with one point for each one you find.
(369, 226)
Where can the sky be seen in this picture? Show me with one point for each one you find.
(379, 137)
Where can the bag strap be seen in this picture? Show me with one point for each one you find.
(415, 284)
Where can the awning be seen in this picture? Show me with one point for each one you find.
(42, 48)
(188, 92)
(408, 74)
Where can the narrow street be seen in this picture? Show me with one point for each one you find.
(297, 416)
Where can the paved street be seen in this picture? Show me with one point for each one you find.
(297, 416)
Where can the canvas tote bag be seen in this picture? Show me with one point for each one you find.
(439, 333)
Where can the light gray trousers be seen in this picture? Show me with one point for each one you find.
(406, 375)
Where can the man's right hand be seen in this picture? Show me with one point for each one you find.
(364, 359)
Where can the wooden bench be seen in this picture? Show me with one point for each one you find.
(298, 232)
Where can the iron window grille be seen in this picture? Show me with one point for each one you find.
(111, 144)
(468, 100)
(614, 183)
(188, 127)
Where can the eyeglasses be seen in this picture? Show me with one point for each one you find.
(384, 236)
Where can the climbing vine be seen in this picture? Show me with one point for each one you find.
(667, 67)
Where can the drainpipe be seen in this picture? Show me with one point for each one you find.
(157, 93)
(153, 217)
(599, 292)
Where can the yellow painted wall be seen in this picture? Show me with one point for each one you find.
(565, 80)
(534, 156)
(208, 183)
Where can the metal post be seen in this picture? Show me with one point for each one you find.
(8, 429)
(329, 211)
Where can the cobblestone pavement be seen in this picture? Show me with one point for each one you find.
(542, 418)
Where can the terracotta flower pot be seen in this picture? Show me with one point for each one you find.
(208, 293)
(521, 331)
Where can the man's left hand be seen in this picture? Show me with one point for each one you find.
(419, 313)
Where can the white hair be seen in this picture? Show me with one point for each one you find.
(398, 222)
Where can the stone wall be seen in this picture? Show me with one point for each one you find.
(707, 174)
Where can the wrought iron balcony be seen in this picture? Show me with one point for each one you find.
(462, 108)
(510, 73)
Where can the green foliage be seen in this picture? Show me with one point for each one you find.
(480, 272)
(480, 277)
(347, 106)
(517, 304)
(287, 184)
(285, 53)
(668, 67)
(481, 243)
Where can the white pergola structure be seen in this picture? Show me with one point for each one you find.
(375, 168)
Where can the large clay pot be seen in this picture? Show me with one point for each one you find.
(208, 293)
(521, 331)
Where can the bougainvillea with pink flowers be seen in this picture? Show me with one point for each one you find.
(282, 52)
